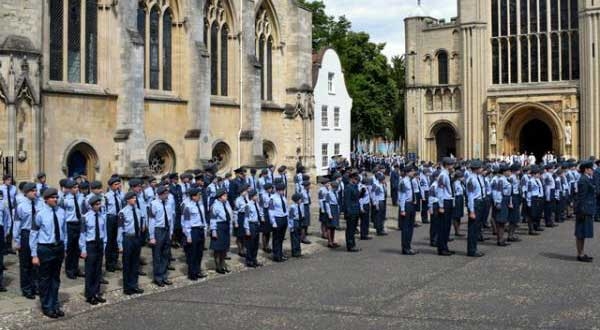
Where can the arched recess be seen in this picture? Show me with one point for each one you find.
(161, 158)
(80, 157)
(221, 153)
(442, 140)
(267, 45)
(517, 117)
(269, 152)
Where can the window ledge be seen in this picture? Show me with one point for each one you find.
(223, 100)
(270, 105)
(165, 96)
(61, 87)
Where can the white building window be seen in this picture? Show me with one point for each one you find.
(336, 149)
(330, 88)
(336, 117)
(324, 155)
(324, 116)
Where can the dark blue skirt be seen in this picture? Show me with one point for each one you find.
(459, 208)
(335, 214)
(265, 226)
(239, 232)
(306, 220)
(584, 227)
(223, 241)
(514, 214)
(502, 213)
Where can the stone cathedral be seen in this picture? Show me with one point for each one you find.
(504, 77)
(115, 86)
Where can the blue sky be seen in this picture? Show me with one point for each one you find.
(384, 19)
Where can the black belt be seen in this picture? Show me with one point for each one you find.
(70, 223)
(95, 242)
(198, 227)
(50, 244)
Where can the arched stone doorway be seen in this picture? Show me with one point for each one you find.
(81, 159)
(532, 128)
(444, 139)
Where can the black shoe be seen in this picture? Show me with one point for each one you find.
(111, 270)
(142, 273)
(167, 282)
(193, 278)
(92, 301)
(59, 313)
(305, 241)
(366, 238)
(227, 258)
(171, 259)
(296, 255)
(277, 259)
(221, 271)
(251, 265)
(584, 258)
(129, 292)
(514, 239)
(3, 267)
(138, 290)
(258, 264)
(29, 296)
(267, 250)
(71, 277)
(159, 283)
(118, 267)
(202, 275)
(170, 267)
(539, 229)
(2, 288)
(450, 239)
(80, 274)
(444, 253)
(143, 263)
(50, 314)
(409, 253)
(475, 255)
(100, 299)
(502, 244)
(533, 233)
(103, 281)
(459, 235)
(354, 249)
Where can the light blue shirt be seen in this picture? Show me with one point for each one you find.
(156, 216)
(534, 189)
(109, 197)
(193, 216)
(444, 186)
(127, 223)
(405, 193)
(253, 214)
(295, 214)
(42, 228)
(475, 190)
(88, 229)
(68, 204)
(23, 218)
(276, 208)
(218, 214)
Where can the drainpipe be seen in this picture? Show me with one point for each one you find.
(241, 43)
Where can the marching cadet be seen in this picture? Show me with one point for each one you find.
(332, 209)
(365, 207)
(459, 201)
(239, 213)
(535, 201)
(278, 213)
(265, 225)
(476, 208)
(4, 231)
(352, 213)
(585, 210)
(252, 229)
(306, 202)
(41, 185)
(194, 225)
(514, 213)
(424, 184)
(160, 227)
(322, 195)
(445, 195)
(92, 242)
(502, 202)
(71, 203)
(47, 241)
(220, 228)
(131, 227)
(378, 199)
(114, 203)
(549, 191)
(26, 212)
(407, 210)
(294, 220)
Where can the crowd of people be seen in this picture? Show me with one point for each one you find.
(258, 207)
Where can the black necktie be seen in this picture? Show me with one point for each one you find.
(480, 187)
(97, 230)
(56, 227)
(117, 206)
(200, 212)
(32, 209)
(226, 212)
(283, 204)
(164, 203)
(136, 225)
(10, 206)
(257, 212)
(77, 211)
(137, 202)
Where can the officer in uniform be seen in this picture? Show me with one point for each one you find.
(294, 220)
(160, 227)
(25, 213)
(194, 225)
(476, 208)
(394, 182)
(92, 242)
(254, 214)
(113, 200)
(278, 213)
(71, 202)
(407, 210)
(365, 207)
(47, 241)
(131, 227)
(585, 209)
(352, 213)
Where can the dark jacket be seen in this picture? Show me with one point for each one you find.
(351, 200)
(585, 203)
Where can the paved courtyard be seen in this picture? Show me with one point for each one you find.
(535, 284)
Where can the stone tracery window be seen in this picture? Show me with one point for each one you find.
(155, 25)
(265, 36)
(161, 159)
(76, 60)
(216, 38)
(531, 38)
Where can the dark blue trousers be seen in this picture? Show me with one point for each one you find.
(51, 258)
(195, 252)
(424, 208)
(112, 248)
(351, 223)
(278, 236)
(445, 224)
(408, 225)
(252, 243)
(2, 243)
(73, 252)
(548, 208)
(93, 268)
(295, 237)
(474, 227)
(27, 272)
(131, 262)
(364, 221)
(435, 223)
(160, 254)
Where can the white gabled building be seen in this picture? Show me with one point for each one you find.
(333, 107)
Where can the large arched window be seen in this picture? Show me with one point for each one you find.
(442, 58)
(77, 60)
(155, 24)
(216, 37)
(265, 36)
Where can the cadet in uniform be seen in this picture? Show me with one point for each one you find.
(514, 213)
(4, 231)
(476, 208)
(114, 203)
(306, 201)
(194, 225)
(352, 213)
(445, 195)
(378, 199)
(459, 202)
(535, 201)
(549, 190)
(265, 224)
(502, 202)
(585, 210)
(220, 228)
(365, 207)
(322, 194)
(71, 203)
(131, 226)
(238, 214)
(252, 228)
(47, 242)
(294, 220)
(26, 212)
(424, 187)
(333, 214)
(160, 226)
(407, 210)
(278, 213)
(92, 242)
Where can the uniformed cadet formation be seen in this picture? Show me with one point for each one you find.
(102, 224)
